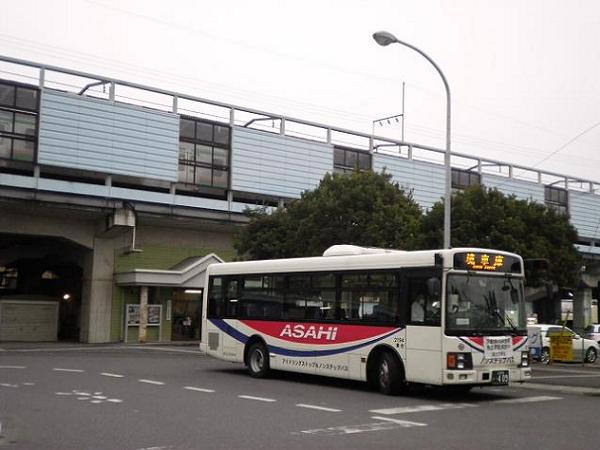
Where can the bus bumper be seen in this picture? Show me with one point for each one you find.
(484, 376)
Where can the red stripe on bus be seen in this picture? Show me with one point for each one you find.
(316, 333)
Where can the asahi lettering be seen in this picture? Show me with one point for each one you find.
(300, 331)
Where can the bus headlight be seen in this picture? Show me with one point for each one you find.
(524, 359)
(459, 361)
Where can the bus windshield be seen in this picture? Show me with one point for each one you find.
(479, 304)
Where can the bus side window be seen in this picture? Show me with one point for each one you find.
(231, 297)
(424, 301)
(215, 297)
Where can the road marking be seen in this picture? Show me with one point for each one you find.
(320, 408)
(260, 399)
(541, 398)
(113, 375)
(422, 408)
(12, 367)
(114, 400)
(197, 389)
(403, 423)
(9, 385)
(160, 383)
(384, 425)
(59, 369)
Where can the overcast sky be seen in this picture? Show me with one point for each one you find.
(524, 75)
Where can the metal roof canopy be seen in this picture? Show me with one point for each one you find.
(186, 274)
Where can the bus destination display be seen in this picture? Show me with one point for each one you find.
(487, 262)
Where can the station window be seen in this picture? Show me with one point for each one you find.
(19, 106)
(348, 160)
(557, 198)
(204, 153)
(462, 179)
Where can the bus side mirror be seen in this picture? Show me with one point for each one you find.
(433, 287)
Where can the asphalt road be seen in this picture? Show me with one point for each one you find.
(175, 399)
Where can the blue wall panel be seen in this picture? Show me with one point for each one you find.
(93, 134)
(425, 179)
(585, 214)
(272, 164)
(523, 190)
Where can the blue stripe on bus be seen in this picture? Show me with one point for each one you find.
(223, 326)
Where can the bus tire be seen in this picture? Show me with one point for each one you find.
(390, 374)
(258, 360)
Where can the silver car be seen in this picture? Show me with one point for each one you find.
(593, 332)
(583, 349)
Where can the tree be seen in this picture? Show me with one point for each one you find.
(487, 218)
(361, 208)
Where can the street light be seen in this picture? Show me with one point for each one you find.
(384, 38)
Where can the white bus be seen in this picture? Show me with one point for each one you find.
(451, 318)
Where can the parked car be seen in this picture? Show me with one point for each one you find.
(586, 349)
(593, 332)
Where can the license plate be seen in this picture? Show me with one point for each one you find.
(500, 377)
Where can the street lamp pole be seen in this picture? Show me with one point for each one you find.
(384, 38)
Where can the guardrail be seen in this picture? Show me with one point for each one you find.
(84, 83)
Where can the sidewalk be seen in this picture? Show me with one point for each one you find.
(57, 346)
(570, 378)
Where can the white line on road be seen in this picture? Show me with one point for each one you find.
(159, 383)
(113, 375)
(541, 398)
(12, 367)
(386, 424)
(403, 423)
(59, 369)
(197, 389)
(320, 408)
(422, 408)
(260, 399)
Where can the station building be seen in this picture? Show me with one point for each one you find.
(114, 194)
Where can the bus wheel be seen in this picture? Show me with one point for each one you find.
(389, 374)
(258, 360)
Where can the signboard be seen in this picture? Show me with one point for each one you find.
(561, 345)
(497, 347)
(133, 315)
(535, 342)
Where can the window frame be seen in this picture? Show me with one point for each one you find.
(14, 109)
(473, 178)
(560, 206)
(198, 165)
(347, 167)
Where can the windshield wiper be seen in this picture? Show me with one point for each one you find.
(506, 318)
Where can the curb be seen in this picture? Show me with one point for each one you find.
(559, 388)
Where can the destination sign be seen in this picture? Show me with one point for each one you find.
(487, 262)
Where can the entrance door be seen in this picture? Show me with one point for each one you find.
(186, 318)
